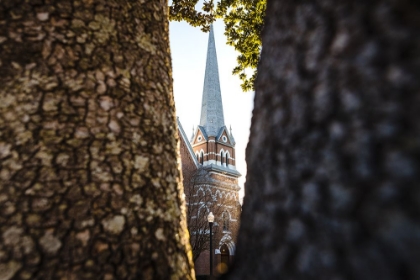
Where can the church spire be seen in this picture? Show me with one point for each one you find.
(211, 105)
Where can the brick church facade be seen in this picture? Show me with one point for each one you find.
(210, 176)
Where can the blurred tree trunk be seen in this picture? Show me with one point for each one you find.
(333, 182)
(89, 182)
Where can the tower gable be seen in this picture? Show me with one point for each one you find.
(200, 136)
(225, 137)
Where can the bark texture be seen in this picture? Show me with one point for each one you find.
(333, 182)
(89, 181)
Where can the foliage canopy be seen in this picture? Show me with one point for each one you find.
(244, 20)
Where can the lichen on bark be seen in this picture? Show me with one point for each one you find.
(89, 181)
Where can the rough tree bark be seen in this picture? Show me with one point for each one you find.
(89, 182)
(333, 182)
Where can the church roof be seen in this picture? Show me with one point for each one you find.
(187, 143)
(211, 105)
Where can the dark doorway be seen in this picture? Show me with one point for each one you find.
(224, 251)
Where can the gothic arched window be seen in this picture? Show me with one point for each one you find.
(221, 157)
(227, 159)
(201, 157)
(225, 218)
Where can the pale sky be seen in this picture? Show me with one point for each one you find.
(189, 50)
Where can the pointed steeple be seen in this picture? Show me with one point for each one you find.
(211, 105)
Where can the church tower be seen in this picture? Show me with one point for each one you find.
(213, 144)
(210, 177)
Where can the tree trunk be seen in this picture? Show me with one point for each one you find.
(333, 182)
(89, 181)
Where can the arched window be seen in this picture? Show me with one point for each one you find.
(227, 159)
(221, 157)
(201, 157)
(225, 218)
